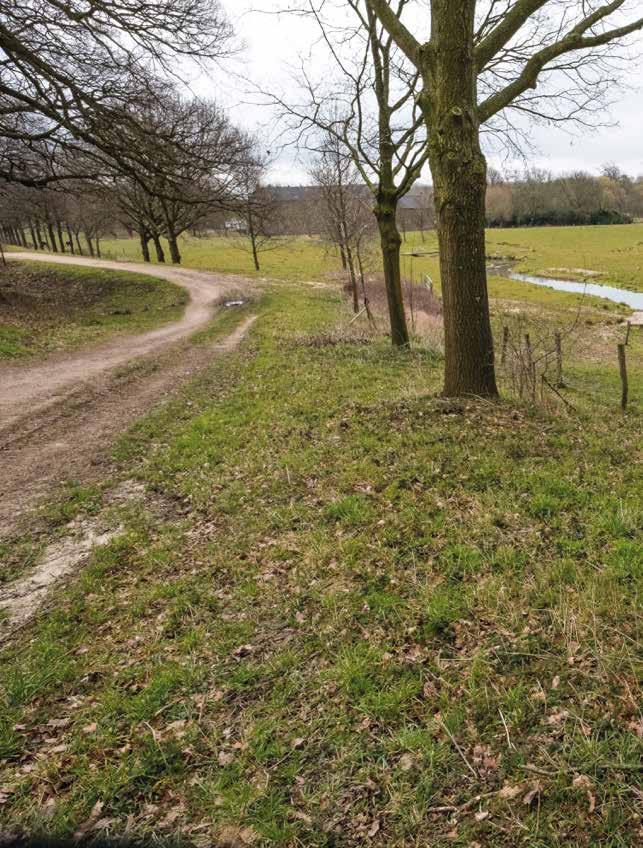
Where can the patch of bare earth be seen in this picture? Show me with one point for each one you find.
(24, 597)
(71, 439)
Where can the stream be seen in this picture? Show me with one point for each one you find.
(630, 298)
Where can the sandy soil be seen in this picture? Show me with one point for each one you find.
(59, 416)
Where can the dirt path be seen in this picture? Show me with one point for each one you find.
(28, 388)
(59, 417)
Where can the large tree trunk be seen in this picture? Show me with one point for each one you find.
(39, 238)
(78, 244)
(160, 254)
(145, 247)
(71, 239)
(390, 241)
(59, 227)
(175, 254)
(52, 237)
(89, 244)
(460, 177)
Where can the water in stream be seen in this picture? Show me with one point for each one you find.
(630, 298)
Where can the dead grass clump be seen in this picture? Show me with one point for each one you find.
(333, 338)
(417, 298)
(423, 310)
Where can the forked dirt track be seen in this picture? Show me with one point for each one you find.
(58, 417)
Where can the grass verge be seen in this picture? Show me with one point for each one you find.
(45, 308)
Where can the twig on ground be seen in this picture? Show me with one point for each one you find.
(504, 724)
(460, 751)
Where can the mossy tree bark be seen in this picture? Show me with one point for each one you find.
(175, 253)
(460, 178)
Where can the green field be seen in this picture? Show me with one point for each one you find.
(614, 251)
(46, 308)
(293, 259)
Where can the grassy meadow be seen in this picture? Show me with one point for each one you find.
(616, 252)
(46, 308)
(348, 612)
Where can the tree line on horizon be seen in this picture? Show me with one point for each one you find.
(75, 218)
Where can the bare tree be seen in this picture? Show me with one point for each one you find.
(371, 110)
(343, 198)
(193, 158)
(257, 207)
(68, 70)
(481, 61)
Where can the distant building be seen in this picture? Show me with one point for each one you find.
(236, 225)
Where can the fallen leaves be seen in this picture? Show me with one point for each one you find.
(557, 718)
(225, 758)
(242, 651)
(582, 781)
(234, 837)
(5, 793)
(374, 829)
(407, 761)
(532, 795)
(90, 822)
(485, 760)
(509, 792)
(170, 818)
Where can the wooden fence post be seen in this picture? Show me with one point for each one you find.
(627, 332)
(531, 366)
(622, 364)
(505, 345)
(559, 360)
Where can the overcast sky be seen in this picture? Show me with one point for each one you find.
(274, 43)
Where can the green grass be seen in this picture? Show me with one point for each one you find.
(48, 308)
(614, 251)
(367, 603)
(293, 258)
